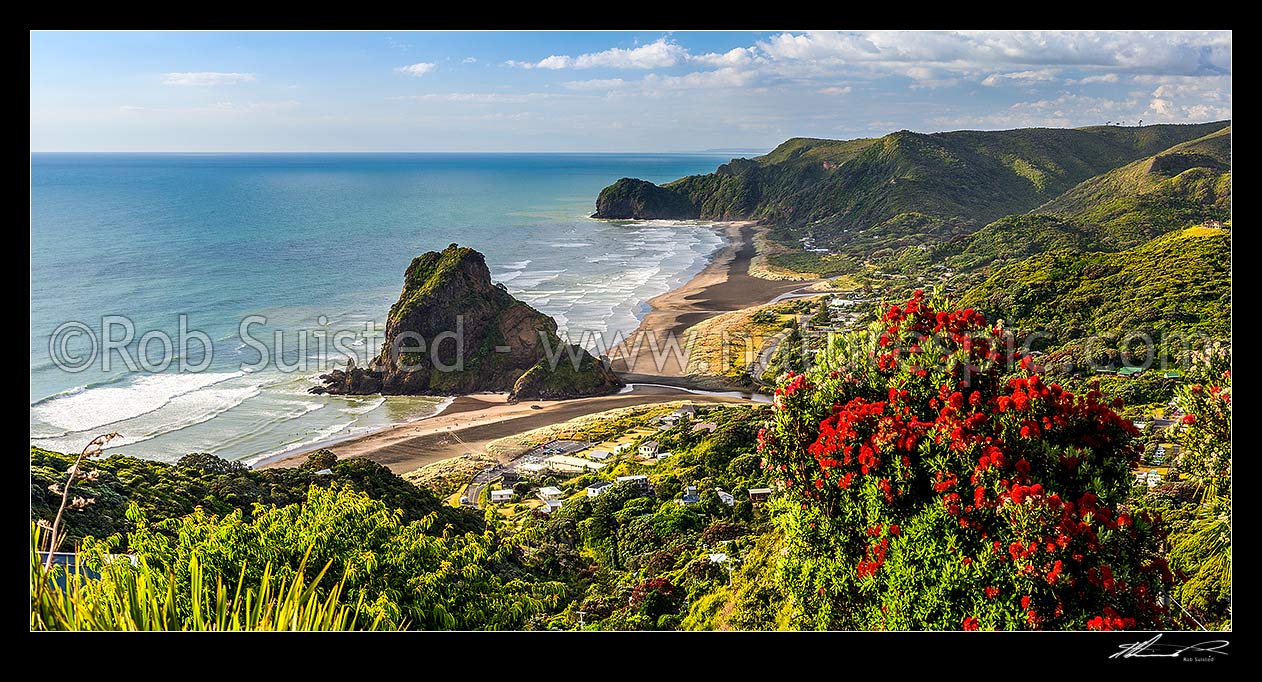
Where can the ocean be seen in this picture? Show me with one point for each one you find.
(128, 249)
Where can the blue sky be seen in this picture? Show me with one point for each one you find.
(600, 91)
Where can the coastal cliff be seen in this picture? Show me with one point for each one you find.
(458, 332)
(642, 200)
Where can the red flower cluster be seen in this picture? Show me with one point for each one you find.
(987, 460)
(1110, 621)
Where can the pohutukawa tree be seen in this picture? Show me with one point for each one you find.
(934, 482)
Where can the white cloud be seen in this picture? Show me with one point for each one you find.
(719, 78)
(469, 60)
(1019, 77)
(1180, 99)
(737, 56)
(1158, 52)
(418, 69)
(595, 84)
(657, 54)
(845, 90)
(205, 78)
(1089, 80)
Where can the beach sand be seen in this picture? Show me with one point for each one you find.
(724, 285)
(472, 421)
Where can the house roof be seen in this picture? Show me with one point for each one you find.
(760, 490)
(550, 490)
(649, 444)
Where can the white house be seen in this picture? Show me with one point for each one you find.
(648, 449)
(599, 455)
(704, 426)
(725, 497)
(663, 454)
(569, 464)
(501, 495)
(597, 488)
(638, 480)
(621, 448)
(550, 506)
(717, 557)
(550, 493)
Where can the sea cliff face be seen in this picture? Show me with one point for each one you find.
(454, 331)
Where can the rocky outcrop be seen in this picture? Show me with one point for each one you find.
(454, 331)
(630, 198)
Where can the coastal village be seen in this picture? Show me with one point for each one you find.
(573, 461)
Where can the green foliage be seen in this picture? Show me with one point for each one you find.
(1176, 289)
(926, 488)
(398, 571)
(110, 592)
(632, 198)
(851, 192)
(1016, 237)
(165, 491)
(1187, 184)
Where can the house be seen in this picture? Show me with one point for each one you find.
(550, 493)
(621, 448)
(597, 488)
(663, 455)
(648, 449)
(704, 426)
(550, 506)
(717, 557)
(685, 411)
(690, 496)
(1172, 374)
(638, 480)
(725, 497)
(502, 495)
(1130, 371)
(759, 494)
(599, 455)
(324, 472)
(572, 465)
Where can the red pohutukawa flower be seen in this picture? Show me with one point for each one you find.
(970, 474)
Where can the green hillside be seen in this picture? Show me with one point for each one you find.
(1179, 283)
(1189, 183)
(847, 193)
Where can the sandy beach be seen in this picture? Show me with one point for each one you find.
(473, 421)
(724, 285)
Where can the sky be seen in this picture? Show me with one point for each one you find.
(601, 91)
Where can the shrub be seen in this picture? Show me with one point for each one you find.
(928, 489)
